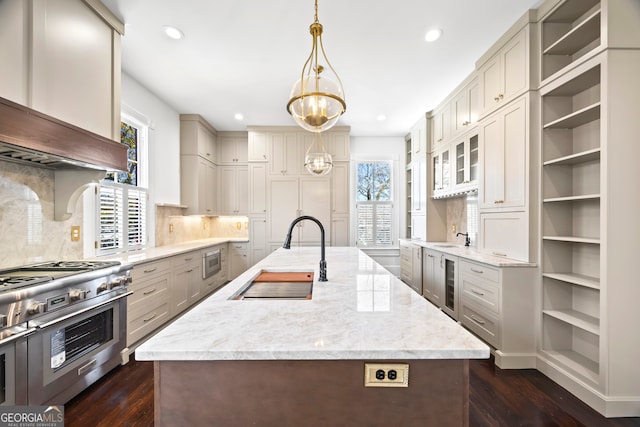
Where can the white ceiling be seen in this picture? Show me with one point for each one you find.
(243, 56)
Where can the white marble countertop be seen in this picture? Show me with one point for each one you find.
(362, 312)
(151, 254)
(470, 253)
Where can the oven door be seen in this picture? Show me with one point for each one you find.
(13, 366)
(71, 350)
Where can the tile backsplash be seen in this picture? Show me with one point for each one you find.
(172, 227)
(28, 232)
(462, 212)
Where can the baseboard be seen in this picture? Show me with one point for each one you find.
(608, 406)
(515, 360)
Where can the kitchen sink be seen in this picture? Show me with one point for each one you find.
(446, 246)
(278, 285)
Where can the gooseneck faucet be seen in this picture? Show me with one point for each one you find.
(323, 261)
(467, 240)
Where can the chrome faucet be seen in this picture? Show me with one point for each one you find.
(323, 261)
(467, 240)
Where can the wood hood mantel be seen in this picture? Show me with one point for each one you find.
(28, 135)
(80, 158)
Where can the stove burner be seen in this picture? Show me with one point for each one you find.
(74, 265)
(10, 282)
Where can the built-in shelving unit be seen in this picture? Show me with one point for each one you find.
(570, 32)
(408, 180)
(571, 216)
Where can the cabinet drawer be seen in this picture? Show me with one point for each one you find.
(480, 271)
(148, 288)
(238, 246)
(185, 259)
(482, 292)
(146, 315)
(151, 269)
(486, 326)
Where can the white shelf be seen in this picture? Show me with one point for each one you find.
(575, 318)
(585, 367)
(577, 118)
(572, 198)
(576, 158)
(572, 239)
(578, 37)
(575, 279)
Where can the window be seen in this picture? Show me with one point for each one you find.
(122, 199)
(374, 203)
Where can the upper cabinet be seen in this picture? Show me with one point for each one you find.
(197, 137)
(441, 120)
(45, 64)
(505, 75)
(464, 109)
(419, 138)
(232, 148)
(284, 154)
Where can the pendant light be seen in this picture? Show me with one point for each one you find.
(317, 161)
(317, 100)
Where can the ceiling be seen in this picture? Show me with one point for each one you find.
(242, 56)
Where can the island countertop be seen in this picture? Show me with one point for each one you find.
(362, 312)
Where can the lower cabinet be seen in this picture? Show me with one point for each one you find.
(411, 265)
(149, 305)
(212, 283)
(187, 277)
(238, 258)
(498, 305)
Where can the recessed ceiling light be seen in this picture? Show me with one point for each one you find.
(433, 35)
(172, 32)
(238, 116)
(381, 117)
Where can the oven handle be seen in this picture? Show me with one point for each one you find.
(84, 310)
(17, 335)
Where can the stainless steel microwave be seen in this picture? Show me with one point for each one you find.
(211, 263)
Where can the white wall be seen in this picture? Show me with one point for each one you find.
(163, 148)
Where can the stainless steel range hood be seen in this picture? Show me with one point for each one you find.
(27, 135)
(80, 158)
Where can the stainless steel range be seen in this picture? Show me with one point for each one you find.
(62, 327)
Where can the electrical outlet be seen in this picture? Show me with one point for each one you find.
(453, 229)
(75, 233)
(386, 375)
(170, 228)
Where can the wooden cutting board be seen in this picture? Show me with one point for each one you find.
(285, 276)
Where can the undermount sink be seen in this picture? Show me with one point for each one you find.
(446, 246)
(278, 285)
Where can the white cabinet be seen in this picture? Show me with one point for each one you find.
(286, 155)
(411, 265)
(197, 137)
(338, 145)
(238, 259)
(257, 188)
(441, 170)
(340, 230)
(496, 304)
(187, 278)
(505, 234)
(232, 148)
(466, 163)
(441, 121)
(419, 138)
(46, 64)
(505, 75)
(432, 288)
(464, 109)
(290, 197)
(149, 305)
(234, 186)
(258, 146)
(340, 188)
(198, 185)
(257, 239)
(504, 144)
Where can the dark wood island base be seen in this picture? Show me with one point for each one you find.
(308, 393)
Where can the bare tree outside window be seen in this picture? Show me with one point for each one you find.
(374, 203)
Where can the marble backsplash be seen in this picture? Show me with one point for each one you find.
(172, 227)
(28, 232)
(462, 216)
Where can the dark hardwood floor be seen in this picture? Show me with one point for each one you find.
(124, 397)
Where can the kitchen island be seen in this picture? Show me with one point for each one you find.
(302, 362)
